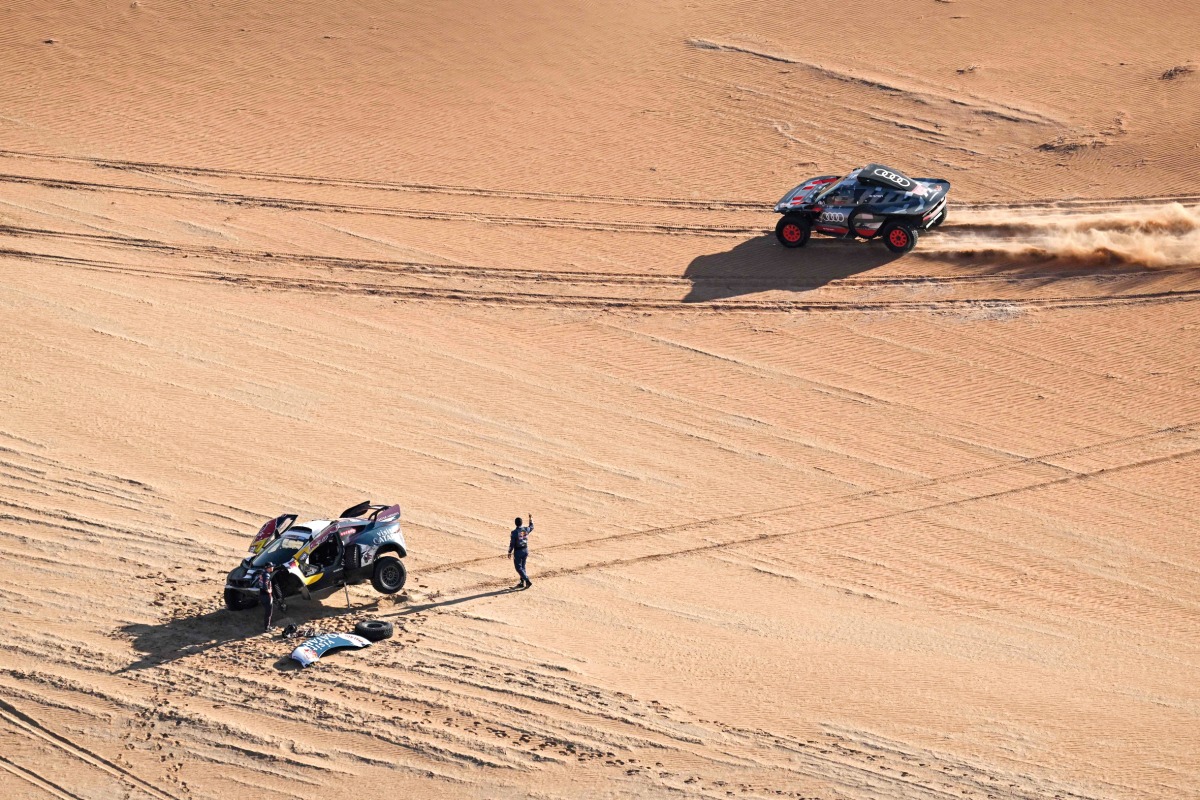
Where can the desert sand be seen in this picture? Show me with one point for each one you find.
(823, 523)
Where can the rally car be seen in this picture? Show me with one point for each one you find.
(365, 542)
(873, 202)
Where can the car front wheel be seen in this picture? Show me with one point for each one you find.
(389, 575)
(238, 601)
(899, 238)
(792, 230)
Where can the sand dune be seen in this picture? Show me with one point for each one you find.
(813, 524)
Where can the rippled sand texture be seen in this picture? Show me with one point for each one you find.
(823, 523)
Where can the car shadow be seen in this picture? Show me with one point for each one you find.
(287, 664)
(187, 636)
(762, 264)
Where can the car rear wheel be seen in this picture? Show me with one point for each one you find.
(238, 601)
(792, 230)
(899, 238)
(389, 575)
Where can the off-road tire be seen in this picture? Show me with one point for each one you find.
(899, 237)
(792, 230)
(239, 601)
(374, 630)
(389, 574)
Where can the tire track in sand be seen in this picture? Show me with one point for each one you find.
(731, 204)
(296, 204)
(407, 266)
(505, 296)
(29, 776)
(153, 167)
(864, 520)
(27, 725)
(915, 487)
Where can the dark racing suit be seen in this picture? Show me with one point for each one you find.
(518, 545)
(266, 596)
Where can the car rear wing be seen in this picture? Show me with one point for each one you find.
(385, 514)
(270, 532)
(356, 510)
(374, 512)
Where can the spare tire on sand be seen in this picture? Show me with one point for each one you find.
(374, 630)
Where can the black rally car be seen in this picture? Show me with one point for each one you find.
(873, 202)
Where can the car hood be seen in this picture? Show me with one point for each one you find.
(318, 646)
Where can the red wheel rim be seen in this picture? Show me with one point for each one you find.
(791, 232)
(898, 237)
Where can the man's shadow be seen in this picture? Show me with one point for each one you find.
(187, 636)
(762, 264)
(417, 609)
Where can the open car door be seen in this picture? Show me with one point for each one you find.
(270, 532)
(321, 560)
(304, 554)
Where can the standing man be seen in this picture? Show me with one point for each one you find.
(518, 548)
(266, 593)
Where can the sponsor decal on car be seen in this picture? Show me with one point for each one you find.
(834, 217)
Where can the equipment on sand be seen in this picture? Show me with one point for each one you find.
(872, 202)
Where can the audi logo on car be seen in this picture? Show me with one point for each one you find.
(834, 216)
(891, 176)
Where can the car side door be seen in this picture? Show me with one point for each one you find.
(835, 209)
(335, 568)
(322, 560)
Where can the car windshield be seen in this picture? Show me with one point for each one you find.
(828, 190)
(280, 550)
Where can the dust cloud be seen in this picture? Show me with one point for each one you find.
(1159, 236)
